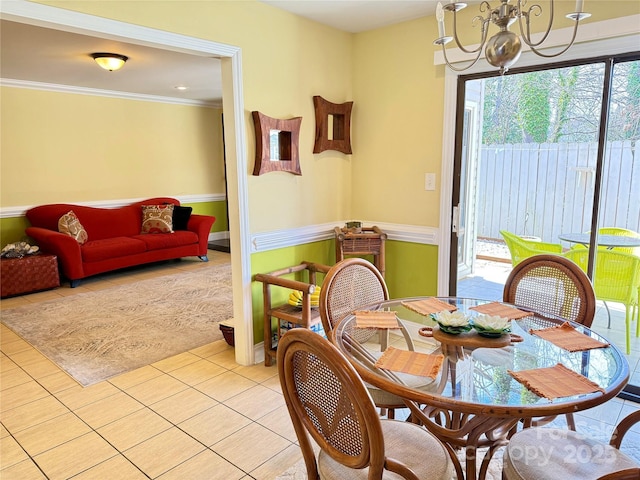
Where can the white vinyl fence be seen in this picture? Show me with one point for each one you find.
(544, 190)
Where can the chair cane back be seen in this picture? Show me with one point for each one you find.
(328, 402)
(351, 284)
(545, 454)
(552, 285)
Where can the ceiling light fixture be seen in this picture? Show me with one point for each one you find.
(503, 49)
(109, 61)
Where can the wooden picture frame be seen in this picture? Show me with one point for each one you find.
(277, 144)
(333, 125)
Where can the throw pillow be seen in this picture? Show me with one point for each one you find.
(181, 216)
(157, 219)
(70, 225)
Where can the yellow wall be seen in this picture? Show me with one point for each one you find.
(286, 60)
(62, 147)
(398, 124)
(388, 73)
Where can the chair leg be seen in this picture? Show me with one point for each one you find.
(608, 314)
(627, 321)
(571, 422)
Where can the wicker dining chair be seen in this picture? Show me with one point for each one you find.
(550, 454)
(552, 285)
(328, 402)
(351, 284)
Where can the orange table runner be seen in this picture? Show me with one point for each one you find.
(376, 319)
(555, 382)
(500, 310)
(414, 363)
(567, 337)
(429, 306)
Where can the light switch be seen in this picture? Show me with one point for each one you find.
(430, 181)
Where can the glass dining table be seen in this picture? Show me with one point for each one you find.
(474, 402)
(608, 241)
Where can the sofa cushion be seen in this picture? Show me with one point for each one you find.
(177, 239)
(108, 248)
(70, 225)
(157, 219)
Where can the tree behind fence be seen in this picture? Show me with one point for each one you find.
(546, 189)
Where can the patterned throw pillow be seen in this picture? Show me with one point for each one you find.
(70, 225)
(157, 219)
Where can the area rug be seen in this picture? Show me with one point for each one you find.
(97, 335)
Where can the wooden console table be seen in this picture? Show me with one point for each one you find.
(369, 241)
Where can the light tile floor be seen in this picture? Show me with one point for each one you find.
(197, 415)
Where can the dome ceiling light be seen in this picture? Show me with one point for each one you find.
(110, 61)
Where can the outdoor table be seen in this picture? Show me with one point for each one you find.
(609, 241)
(473, 401)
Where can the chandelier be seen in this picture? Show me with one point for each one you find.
(503, 49)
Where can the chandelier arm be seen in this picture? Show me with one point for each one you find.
(483, 35)
(460, 69)
(526, 33)
(545, 55)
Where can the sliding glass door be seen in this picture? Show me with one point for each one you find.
(551, 157)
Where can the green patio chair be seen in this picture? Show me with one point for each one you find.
(521, 248)
(616, 279)
(622, 232)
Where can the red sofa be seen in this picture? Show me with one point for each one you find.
(114, 238)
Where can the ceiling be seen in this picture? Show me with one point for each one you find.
(45, 55)
(358, 15)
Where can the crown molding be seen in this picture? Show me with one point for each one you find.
(52, 87)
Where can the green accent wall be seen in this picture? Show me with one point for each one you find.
(318, 252)
(411, 270)
(217, 209)
(12, 230)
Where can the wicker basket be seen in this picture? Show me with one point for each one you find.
(227, 333)
(28, 274)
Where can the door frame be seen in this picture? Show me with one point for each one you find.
(234, 132)
(608, 37)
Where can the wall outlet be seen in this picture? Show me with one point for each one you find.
(430, 181)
